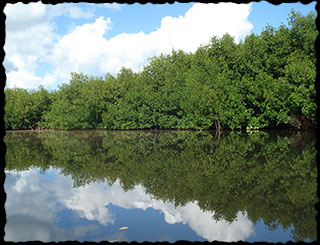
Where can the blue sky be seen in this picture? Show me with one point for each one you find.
(45, 43)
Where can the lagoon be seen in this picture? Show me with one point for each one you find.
(160, 186)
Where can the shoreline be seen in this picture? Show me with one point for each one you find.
(163, 130)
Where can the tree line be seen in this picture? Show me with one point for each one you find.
(264, 81)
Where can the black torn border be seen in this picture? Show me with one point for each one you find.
(2, 102)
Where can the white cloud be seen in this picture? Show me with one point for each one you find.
(30, 38)
(114, 6)
(30, 47)
(21, 16)
(84, 44)
(87, 49)
(202, 21)
(41, 198)
(23, 78)
(76, 12)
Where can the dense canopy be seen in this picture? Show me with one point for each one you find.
(264, 81)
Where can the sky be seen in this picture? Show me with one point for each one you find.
(45, 43)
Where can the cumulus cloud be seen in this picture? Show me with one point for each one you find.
(83, 46)
(43, 198)
(29, 48)
(30, 38)
(76, 12)
(201, 22)
(114, 6)
(88, 49)
(21, 16)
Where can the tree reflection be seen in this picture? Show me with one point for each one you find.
(271, 176)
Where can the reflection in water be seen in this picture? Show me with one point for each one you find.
(218, 188)
(45, 198)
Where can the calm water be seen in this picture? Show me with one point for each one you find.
(160, 186)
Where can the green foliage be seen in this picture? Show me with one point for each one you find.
(265, 81)
(25, 109)
(17, 109)
(270, 176)
(164, 78)
(68, 110)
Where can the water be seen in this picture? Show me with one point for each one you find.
(160, 186)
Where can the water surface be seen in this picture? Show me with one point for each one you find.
(160, 186)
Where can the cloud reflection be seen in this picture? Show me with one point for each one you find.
(33, 201)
